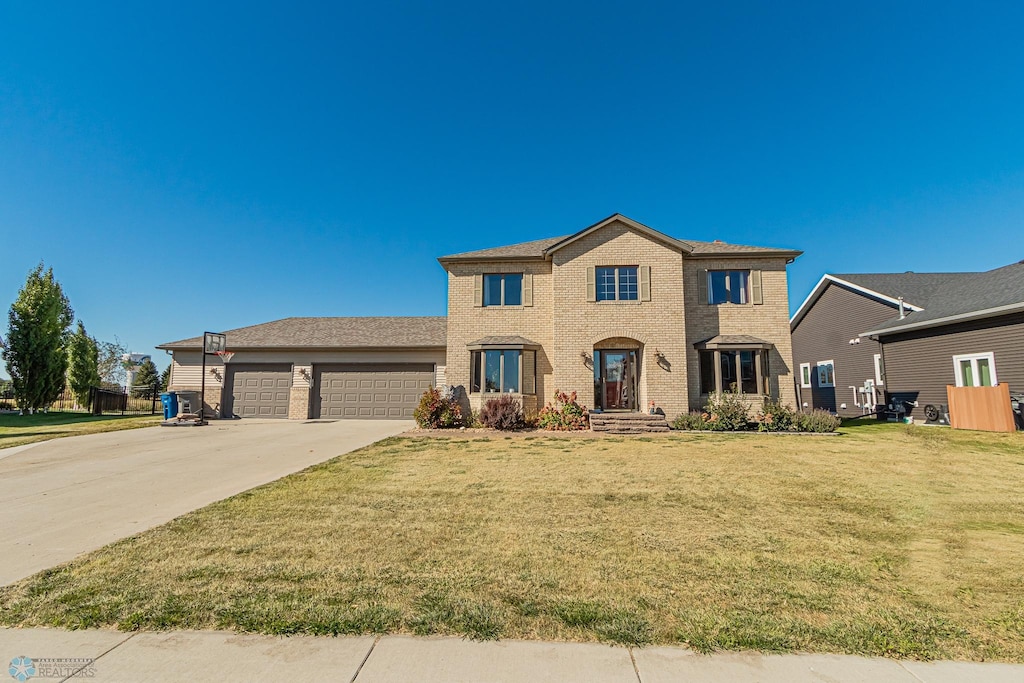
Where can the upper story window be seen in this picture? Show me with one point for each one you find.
(617, 283)
(975, 370)
(505, 289)
(728, 286)
(717, 287)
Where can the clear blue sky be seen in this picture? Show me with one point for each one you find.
(151, 153)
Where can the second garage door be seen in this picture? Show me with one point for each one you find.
(362, 391)
(259, 390)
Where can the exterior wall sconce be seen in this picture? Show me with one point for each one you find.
(304, 373)
(587, 360)
(661, 360)
(215, 373)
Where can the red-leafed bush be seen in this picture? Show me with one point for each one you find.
(439, 410)
(565, 415)
(504, 413)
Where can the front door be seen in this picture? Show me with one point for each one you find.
(617, 373)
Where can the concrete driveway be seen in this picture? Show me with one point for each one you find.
(68, 496)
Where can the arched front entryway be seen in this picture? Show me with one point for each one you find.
(617, 374)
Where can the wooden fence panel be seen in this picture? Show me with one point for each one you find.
(985, 409)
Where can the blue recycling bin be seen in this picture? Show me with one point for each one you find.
(170, 401)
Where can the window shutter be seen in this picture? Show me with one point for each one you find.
(529, 370)
(756, 296)
(591, 287)
(702, 286)
(645, 283)
(527, 289)
(478, 290)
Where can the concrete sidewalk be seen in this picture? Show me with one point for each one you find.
(109, 656)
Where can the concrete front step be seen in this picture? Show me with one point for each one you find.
(628, 423)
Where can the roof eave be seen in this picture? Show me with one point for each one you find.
(486, 259)
(363, 347)
(790, 254)
(947, 320)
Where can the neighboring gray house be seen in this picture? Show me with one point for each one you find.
(854, 350)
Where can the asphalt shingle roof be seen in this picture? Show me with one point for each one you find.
(965, 294)
(330, 333)
(917, 289)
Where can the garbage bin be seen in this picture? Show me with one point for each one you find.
(170, 401)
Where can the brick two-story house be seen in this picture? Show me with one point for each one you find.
(618, 312)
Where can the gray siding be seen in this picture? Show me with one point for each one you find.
(824, 333)
(919, 365)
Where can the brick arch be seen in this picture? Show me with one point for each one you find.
(618, 334)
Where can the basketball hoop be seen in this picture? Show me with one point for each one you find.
(225, 356)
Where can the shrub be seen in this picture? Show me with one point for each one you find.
(439, 409)
(696, 421)
(818, 421)
(503, 413)
(727, 413)
(776, 417)
(566, 414)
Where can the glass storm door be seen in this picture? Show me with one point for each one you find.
(618, 380)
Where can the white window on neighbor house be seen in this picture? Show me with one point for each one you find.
(975, 370)
(805, 375)
(879, 370)
(826, 373)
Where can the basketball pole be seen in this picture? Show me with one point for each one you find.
(202, 384)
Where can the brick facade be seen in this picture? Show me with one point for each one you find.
(663, 330)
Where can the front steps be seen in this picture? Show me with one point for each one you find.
(628, 423)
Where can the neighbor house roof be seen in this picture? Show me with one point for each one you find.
(916, 289)
(971, 296)
(331, 333)
(542, 249)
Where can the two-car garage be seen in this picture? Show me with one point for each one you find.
(352, 390)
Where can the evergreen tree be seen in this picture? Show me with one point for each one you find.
(147, 379)
(37, 337)
(83, 369)
(165, 378)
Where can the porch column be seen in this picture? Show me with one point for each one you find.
(757, 373)
(718, 371)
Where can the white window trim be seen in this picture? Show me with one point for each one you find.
(974, 358)
(879, 374)
(826, 362)
(808, 384)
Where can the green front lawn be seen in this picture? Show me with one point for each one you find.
(887, 540)
(18, 430)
